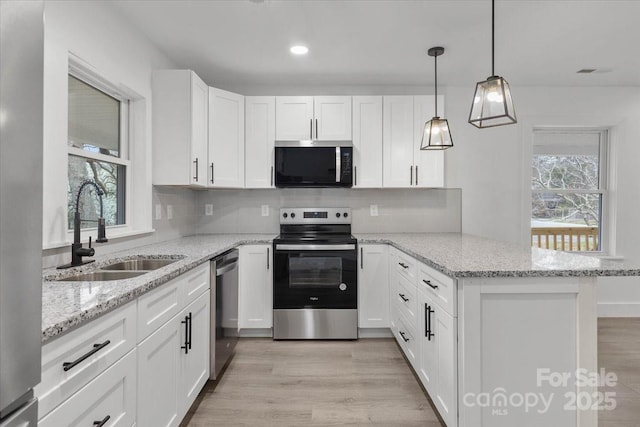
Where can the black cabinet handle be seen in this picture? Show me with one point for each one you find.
(317, 129)
(403, 337)
(403, 298)
(185, 322)
(190, 328)
(96, 348)
(310, 128)
(403, 265)
(427, 320)
(361, 258)
(268, 253)
(431, 285)
(102, 422)
(212, 173)
(416, 174)
(411, 179)
(195, 178)
(271, 175)
(355, 175)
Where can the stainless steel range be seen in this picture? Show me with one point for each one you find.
(315, 292)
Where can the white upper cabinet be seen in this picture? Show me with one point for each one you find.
(226, 139)
(180, 105)
(294, 118)
(260, 134)
(429, 164)
(405, 164)
(325, 118)
(332, 118)
(367, 141)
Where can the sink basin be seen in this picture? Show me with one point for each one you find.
(102, 276)
(140, 264)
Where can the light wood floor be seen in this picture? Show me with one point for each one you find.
(368, 382)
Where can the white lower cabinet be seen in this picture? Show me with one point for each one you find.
(373, 286)
(109, 399)
(255, 310)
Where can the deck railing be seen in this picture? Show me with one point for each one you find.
(565, 238)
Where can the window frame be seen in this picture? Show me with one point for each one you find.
(79, 71)
(604, 171)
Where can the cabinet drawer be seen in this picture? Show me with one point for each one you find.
(406, 300)
(440, 287)
(112, 394)
(406, 266)
(158, 306)
(194, 283)
(104, 340)
(406, 336)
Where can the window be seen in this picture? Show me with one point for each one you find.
(97, 151)
(568, 185)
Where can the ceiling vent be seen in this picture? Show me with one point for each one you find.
(586, 71)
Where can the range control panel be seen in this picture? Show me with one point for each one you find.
(315, 216)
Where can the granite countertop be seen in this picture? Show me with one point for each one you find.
(66, 305)
(463, 255)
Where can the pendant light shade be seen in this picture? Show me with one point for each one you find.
(436, 134)
(492, 103)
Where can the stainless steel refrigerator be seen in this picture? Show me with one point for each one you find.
(21, 111)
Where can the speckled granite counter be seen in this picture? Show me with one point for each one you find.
(463, 255)
(66, 305)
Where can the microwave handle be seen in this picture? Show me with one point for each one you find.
(338, 164)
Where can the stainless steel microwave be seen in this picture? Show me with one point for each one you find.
(314, 164)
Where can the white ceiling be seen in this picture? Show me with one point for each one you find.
(543, 42)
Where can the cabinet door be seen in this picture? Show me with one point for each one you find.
(332, 118)
(194, 365)
(367, 141)
(446, 374)
(256, 287)
(373, 286)
(112, 394)
(180, 126)
(429, 164)
(199, 129)
(428, 356)
(294, 118)
(260, 134)
(158, 379)
(397, 141)
(226, 139)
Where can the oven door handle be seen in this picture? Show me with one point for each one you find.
(315, 247)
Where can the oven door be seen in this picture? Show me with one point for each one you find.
(315, 276)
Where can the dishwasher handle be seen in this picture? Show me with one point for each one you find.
(225, 268)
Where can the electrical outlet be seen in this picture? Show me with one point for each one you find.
(265, 210)
(169, 211)
(158, 211)
(208, 209)
(373, 210)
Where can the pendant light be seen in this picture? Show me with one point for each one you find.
(492, 104)
(436, 134)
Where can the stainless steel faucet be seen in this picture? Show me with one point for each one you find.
(77, 251)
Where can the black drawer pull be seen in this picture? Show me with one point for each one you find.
(102, 422)
(405, 339)
(186, 345)
(428, 282)
(96, 348)
(427, 314)
(405, 299)
(403, 265)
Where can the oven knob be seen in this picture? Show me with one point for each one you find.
(343, 287)
(293, 215)
(284, 215)
(338, 215)
(345, 214)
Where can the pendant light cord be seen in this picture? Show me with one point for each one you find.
(493, 31)
(436, 84)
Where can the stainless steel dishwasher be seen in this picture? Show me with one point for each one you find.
(224, 310)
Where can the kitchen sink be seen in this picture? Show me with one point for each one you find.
(102, 276)
(139, 264)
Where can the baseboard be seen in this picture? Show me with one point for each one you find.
(618, 309)
(256, 333)
(374, 333)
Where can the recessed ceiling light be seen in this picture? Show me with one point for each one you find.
(299, 49)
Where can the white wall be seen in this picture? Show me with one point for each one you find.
(492, 168)
(98, 34)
